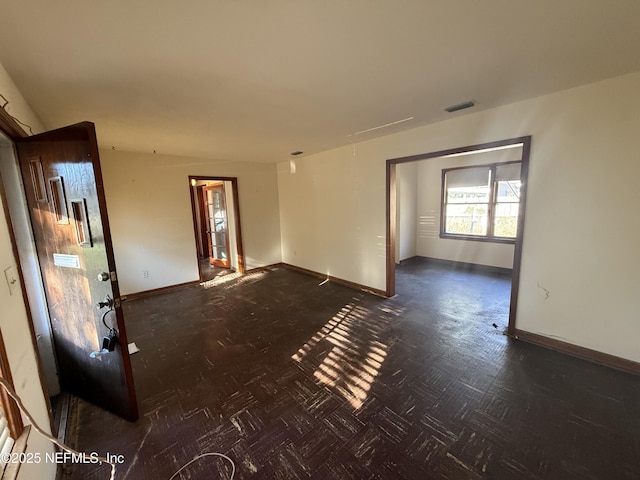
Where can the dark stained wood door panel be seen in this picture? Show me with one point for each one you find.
(65, 195)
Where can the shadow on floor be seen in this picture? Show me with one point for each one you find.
(291, 379)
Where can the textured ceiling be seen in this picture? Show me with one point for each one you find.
(256, 80)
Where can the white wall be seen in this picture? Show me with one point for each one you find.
(14, 322)
(328, 215)
(406, 210)
(582, 229)
(151, 221)
(429, 243)
(18, 106)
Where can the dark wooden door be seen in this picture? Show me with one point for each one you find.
(65, 195)
(202, 219)
(217, 225)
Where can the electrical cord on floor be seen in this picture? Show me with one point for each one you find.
(233, 465)
(11, 392)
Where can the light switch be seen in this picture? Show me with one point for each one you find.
(12, 279)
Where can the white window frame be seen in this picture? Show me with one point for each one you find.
(492, 183)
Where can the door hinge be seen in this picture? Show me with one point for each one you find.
(116, 302)
(113, 276)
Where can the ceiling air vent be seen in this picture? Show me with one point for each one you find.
(460, 106)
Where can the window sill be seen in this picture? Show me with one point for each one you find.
(477, 238)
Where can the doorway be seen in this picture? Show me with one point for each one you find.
(215, 231)
(435, 219)
(19, 215)
(58, 213)
(216, 221)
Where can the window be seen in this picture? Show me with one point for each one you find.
(481, 202)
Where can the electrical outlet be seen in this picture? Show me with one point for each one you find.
(145, 274)
(12, 279)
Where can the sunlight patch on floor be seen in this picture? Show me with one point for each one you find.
(356, 351)
(237, 278)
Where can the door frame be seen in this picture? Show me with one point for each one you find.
(203, 236)
(391, 213)
(12, 413)
(13, 131)
(193, 191)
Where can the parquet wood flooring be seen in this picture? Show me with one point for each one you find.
(295, 380)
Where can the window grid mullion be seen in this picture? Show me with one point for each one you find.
(492, 201)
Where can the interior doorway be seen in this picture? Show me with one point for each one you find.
(433, 223)
(216, 221)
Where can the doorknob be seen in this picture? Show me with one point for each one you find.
(103, 276)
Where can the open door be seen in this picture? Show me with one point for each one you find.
(65, 196)
(217, 225)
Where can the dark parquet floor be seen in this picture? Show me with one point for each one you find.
(295, 380)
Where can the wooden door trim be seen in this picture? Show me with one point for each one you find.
(10, 127)
(236, 211)
(391, 212)
(13, 415)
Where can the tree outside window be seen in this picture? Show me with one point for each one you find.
(481, 202)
